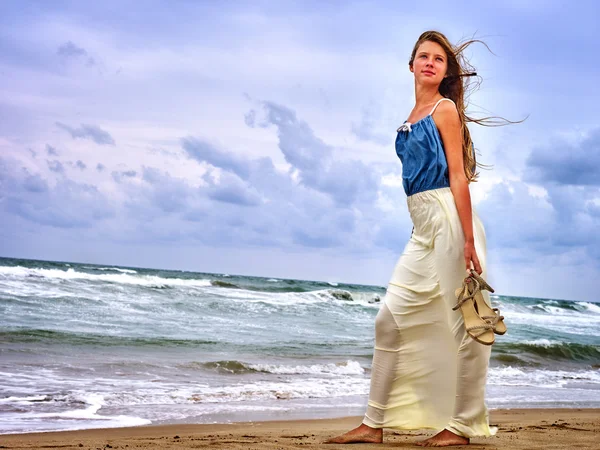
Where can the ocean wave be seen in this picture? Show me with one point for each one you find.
(299, 299)
(572, 321)
(344, 368)
(548, 350)
(303, 388)
(233, 367)
(542, 378)
(589, 307)
(116, 269)
(272, 291)
(271, 288)
(338, 294)
(546, 306)
(24, 400)
(70, 417)
(509, 359)
(73, 338)
(287, 298)
(237, 367)
(554, 308)
(71, 393)
(119, 391)
(224, 284)
(71, 274)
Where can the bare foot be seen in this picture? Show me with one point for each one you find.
(362, 433)
(444, 438)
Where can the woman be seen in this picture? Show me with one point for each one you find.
(427, 371)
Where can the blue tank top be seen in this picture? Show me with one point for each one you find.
(419, 147)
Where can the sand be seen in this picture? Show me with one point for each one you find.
(518, 429)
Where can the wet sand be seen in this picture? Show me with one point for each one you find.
(518, 429)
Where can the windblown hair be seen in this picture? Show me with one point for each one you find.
(457, 86)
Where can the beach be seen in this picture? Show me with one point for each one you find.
(253, 225)
(518, 429)
(85, 347)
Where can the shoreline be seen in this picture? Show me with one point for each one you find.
(517, 429)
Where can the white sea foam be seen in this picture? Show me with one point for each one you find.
(348, 368)
(129, 393)
(116, 269)
(122, 401)
(23, 400)
(303, 388)
(541, 378)
(543, 342)
(590, 307)
(70, 419)
(552, 309)
(283, 298)
(563, 320)
(123, 278)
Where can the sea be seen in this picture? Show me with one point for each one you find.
(96, 346)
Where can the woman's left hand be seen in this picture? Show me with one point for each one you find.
(471, 259)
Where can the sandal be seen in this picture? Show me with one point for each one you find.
(485, 312)
(479, 329)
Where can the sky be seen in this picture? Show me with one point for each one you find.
(257, 138)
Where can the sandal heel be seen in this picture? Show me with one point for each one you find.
(491, 315)
(479, 329)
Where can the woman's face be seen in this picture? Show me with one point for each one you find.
(430, 63)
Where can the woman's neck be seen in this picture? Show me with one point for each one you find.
(425, 95)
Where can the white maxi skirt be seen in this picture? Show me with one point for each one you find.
(427, 372)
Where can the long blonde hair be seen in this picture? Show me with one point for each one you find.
(454, 86)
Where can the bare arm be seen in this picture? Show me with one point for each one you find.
(448, 124)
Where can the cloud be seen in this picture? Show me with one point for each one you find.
(67, 204)
(566, 163)
(80, 164)
(202, 151)
(534, 225)
(119, 176)
(70, 50)
(300, 147)
(366, 129)
(329, 184)
(93, 132)
(568, 174)
(320, 239)
(520, 219)
(318, 203)
(33, 183)
(346, 181)
(231, 189)
(168, 193)
(56, 166)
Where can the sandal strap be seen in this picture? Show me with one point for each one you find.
(461, 299)
(471, 332)
(487, 326)
(493, 319)
(481, 281)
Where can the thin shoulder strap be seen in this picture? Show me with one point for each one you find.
(439, 101)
